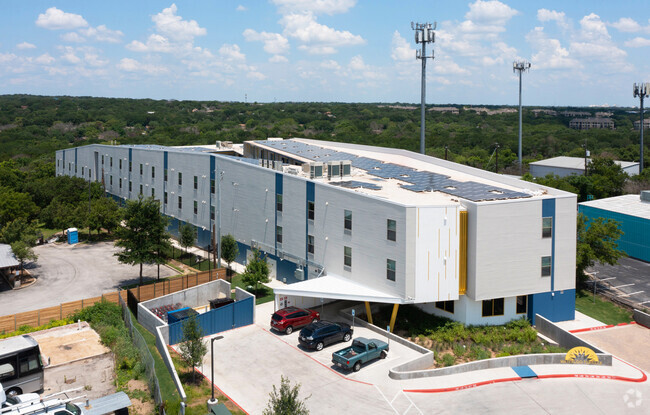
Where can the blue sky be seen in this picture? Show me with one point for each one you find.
(582, 52)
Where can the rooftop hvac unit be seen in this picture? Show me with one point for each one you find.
(299, 274)
(315, 169)
(346, 167)
(333, 169)
(295, 170)
(277, 165)
(645, 195)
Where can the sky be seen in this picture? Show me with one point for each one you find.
(582, 52)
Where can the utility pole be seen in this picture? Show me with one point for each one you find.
(219, 178)
(520, 66)
(424, 33)
(586, 155)
(496, 169)
(446, 149)
(641, 91)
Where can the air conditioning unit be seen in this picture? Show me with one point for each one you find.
(333, 169)
(299, 274)
(346, 168)
(315, 169)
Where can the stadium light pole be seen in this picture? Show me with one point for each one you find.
(424, 33)
(641, 91)
(520, 66)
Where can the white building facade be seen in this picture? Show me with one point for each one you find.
(342, 221)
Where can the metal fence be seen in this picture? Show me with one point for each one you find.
(145, 355)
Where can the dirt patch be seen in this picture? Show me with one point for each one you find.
(94, 375)
(140, 406)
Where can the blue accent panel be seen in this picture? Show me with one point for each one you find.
(243, 312)
(203, 237)
(165, 160)
(278, 191)
(285, 269)
(524, 372)
(311, 197)
(635, 240)
(558, 307)
(130, 155)
(548, 210)
(222, 319)
(311, 191)
(75, 158)
(278, 183)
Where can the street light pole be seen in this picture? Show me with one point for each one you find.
(212, 401)
(641, 91)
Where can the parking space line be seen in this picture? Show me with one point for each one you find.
(624, 285)
(627, 295)
(386, 399)
(645, 302)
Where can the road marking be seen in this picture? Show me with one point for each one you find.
(624, 285)
(386, 399)
(627, 295)
(645, 302)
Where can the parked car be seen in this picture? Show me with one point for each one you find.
(362, 351)
(323, 333)
(290, 318)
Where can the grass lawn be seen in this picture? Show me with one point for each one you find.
(454, 343)
(198, 390)
(264, 295)
(601, 310)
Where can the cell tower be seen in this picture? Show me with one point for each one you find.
(520, 66)
(424, 33)
(641, 91)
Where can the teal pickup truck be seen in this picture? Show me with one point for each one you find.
(362, 351)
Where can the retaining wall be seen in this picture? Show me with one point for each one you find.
(561, 336)
(642, 318)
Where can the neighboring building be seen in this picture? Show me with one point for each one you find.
(589, 123)
(353, 222)
(566, 166)
(576, 114)
(541, 111)
(452, 110)
(604, 114)
(489, 111)
(646, 124)
(633, 212)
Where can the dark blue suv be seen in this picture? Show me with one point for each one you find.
(320, 334)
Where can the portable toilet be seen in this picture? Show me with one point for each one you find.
(73, 236)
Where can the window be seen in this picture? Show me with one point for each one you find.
(196, 182)
(29, 364)
(211, 185)
(447, 306)
(75, 169)
(165, 175)
(165, 198)
(110, 179)
(140, 189)
(547, 227)
(522, 304)
(153, 172)
(180, 178)
(130, 166)
(310, 244)
(111, 161)
(493, 307)
(8, 368)
(310, 210)
(347, 256)
(391, 230)
(347, 225)
(278, 234)
(130, 186)
(120, 183)
(278, 202)
(102, 159)
(120, 164)
(153, 192)
(82, 171)
(546, 266)
(390, 269)
(196, 207)
(212, 213)
(180, 202)
(141, 169)
(90, 173)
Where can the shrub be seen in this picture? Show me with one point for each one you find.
(459, 350)
(448, 359)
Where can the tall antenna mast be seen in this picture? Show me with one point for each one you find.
(520, 66)
(641, 91)
(424, 33)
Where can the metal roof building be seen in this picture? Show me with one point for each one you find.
(633, 212)
(565, 166)
(7, 258)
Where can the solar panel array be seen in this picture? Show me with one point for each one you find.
(419, 181)
(355, 184)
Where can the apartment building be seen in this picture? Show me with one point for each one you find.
(344, 221)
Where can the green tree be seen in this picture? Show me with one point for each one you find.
(58, 215)
(257, 270)
(192, 348)
(607, 177)
(16, 205)
(104, 214)
(143, 235)
(187, 236)
(23, 253)
(19, 230)
(597, 241)
(285, 401)
(229, 249)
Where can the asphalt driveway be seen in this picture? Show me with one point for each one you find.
(629, 279)
(73, 272)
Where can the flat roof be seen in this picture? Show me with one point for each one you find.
(403, 176)
(577, 163)
(7, 258)
(631, 205)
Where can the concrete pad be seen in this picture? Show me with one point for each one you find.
(69, 343)
(581, 321)
(630, 342)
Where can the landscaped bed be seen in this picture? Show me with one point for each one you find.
(454, 343)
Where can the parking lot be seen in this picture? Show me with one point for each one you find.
(629, 279)
(72, 272)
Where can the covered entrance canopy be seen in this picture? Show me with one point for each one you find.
(338, 288)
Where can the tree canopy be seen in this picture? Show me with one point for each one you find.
(257, 270)
(597, 242)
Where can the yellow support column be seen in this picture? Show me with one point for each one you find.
(393, 317)
(368, 313)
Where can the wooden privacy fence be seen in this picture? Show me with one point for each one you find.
(142, 293)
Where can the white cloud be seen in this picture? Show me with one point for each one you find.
(69, 55)
(132, 65)
(626, 24)
(274, 43)
(241, 8)
(55, 19)
(637, 42)
(44, 59)
(490, 13)
(449, 67)
(103, 34)
(315, 6)
(155, 43)
(317, 38)
(549, 52)
(72, 37)
(593, 42)
(174, 27)
(25, 45)
(545, 15)
(278, 59)
(330, 64)
(258, 76)
(401, 49)
(7, 57)
(93, 59)
(232, 53)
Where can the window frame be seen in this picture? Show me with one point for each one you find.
(180, 202)
(279, 202)
(196, 182)
(547, 231)
(196, 207)
(278, 234)
(547, 269)
(347, 256)
(311, 210)
(310, 244)
(347, 220)
(518, 305)
(180, 178)
(447, 305)
(153, 172)
(391, 272)
(389, 230)
(493, 306)
(165, 198)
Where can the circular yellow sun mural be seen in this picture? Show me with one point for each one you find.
(581, 354)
